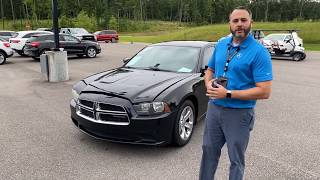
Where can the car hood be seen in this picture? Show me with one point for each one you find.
(135, 85)
(79, 34)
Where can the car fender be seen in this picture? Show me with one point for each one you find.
(179, 92)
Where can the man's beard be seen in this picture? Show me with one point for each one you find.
(239, 36)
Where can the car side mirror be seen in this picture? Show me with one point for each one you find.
(203, 70)
(125, 60)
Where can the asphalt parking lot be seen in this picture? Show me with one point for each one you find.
(39, 141)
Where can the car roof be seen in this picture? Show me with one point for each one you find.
(5, 31)
(198, 44)
(22, 33)
(276, 34)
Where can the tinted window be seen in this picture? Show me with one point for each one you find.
(5, 33)
(206, 56)
(32, 34)
(170, 58)
(110, 32)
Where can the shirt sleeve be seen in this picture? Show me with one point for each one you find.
(262, 66)
(211, 62)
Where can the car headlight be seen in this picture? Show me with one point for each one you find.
(152, 108)
(75, 95)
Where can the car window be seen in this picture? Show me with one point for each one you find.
(70, 39)
(206, 56)
(110, 32)
(28, 35)
(275, 37)
(5, 33)
(32, 34)
(168, 58)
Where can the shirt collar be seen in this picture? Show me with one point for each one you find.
(243, 44)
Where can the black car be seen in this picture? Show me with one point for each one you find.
(39, 44)
(155, 98)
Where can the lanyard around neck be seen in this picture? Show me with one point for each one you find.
(229, 58)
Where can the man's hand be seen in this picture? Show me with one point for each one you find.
(215, 93)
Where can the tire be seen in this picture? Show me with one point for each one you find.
(20, 53)
(42, 52)
(91, 52)
(278, 52)
(184, 123)
(3, 58)
(297, 56)
(36, 58)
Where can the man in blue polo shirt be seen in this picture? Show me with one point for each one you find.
(239, 73)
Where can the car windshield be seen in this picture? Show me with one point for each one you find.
(78, 31)
(166, 58)
(275, 37)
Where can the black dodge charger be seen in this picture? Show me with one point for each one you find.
(155, 98)
(39, 44)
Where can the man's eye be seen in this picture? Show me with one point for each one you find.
(235, 20)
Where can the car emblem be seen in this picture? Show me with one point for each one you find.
(95, 107)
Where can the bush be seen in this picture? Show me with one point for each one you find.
(113, 24)
(84, 21)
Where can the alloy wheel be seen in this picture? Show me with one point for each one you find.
(186, 122)
(91, 52)
(2, 58)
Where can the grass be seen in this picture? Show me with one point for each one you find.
(307, 31)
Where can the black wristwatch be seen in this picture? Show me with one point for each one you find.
(228, 94)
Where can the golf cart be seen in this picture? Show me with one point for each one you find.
(282, 45)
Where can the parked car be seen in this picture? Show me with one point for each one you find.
(155, 98)
(5, 51)
(39, 44)
(80, 33)
(6, 35)
(19, 40)
(107, 36)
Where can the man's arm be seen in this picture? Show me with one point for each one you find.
(261, 91)
(208, 77)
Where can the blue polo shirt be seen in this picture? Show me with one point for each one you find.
(252, 64)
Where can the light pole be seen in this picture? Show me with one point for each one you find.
(2, 15)
(55, 24)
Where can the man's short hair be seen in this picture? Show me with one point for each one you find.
(242, 8)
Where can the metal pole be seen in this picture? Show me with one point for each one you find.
(2, 16)
(55, 24)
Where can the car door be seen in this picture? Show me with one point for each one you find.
(72, 45)
(200, 89)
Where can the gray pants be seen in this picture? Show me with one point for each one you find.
(230, 126)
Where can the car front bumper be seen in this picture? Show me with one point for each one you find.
(147, 131)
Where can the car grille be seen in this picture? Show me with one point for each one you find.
(102, 112)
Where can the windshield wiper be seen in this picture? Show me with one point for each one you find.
(154, 68)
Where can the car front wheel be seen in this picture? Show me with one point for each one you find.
(3, 58)
(297, 56)
(91, 52)
(184, 123)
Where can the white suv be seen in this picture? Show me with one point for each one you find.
(5, 51)
(19, 40)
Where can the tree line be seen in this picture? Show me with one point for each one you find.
(107, 12)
